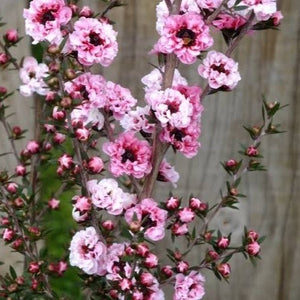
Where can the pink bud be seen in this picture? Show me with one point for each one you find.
(20, 280)
(8, 234)
(277, 17)
(207, 236)
(35, 231)
(86, 12)
(12, 187)
(33, 147)
(142, 249)
(223, 242)
(231, 163)
(19, 202)
(3, 91)
(253, 248)
(251, 151)
(151, 260)
(66, 161)
(186, 215)
(47, 147)
(16, 131)
(53, 203)
(58, 114)
(130, 251)
(59, 138)
(172, 203)
(147, 279)
(11, 35)
(252, 235)
(182, 266)
(17, 243)
(20, 170)
(3, 58)
(108, 225)
(82, 134)
(95, 165)
(49, 128)
(224, 269)
(213, 255)
(34, 284)
(4, 221)
(125, 284)
(33, 267)
(50, 96)
(167, 270)
(179, 229)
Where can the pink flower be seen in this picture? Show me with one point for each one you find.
(59, 138)
(136, 120)
(87, 252)
(151, 260)
(167, 173)
(129, 155)
(172, 203)
(94, 41)
(153, 217)
(197, 204)
(44, 18)
(182, 266)
(263, 9)
(186, 36)
(153, 81)
(170, 107)
(179, 229)
(253, 248)
(118, 99)
(220, 70)
(209, 4)
(107, 195)
(229, 21)
(189, 286)
(184, 140)
(32, 75)
(186, 215)
(162, 12)
(82, 134)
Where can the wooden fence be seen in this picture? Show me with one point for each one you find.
(269, 65)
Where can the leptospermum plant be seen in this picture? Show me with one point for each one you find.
(120, 222)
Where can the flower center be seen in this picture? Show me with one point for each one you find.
(178, 135)
(47, 16)
(128, 155)
(83, 92)
(95, 39)
(188, 36)
(219, 68)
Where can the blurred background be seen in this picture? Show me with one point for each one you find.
(269, 65)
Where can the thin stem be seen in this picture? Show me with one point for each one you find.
(212, 17)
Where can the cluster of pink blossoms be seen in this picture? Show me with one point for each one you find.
(44, 19)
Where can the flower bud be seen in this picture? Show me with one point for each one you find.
(53, 203)
(35, 231)
(86, 12)
(252, 235)
(186, 215)
(20, 170)
(20, 280)
(34, 284)
(151, 260)
(34, 267)
(17, 244)
(95, 165)
(207, 236)
(18, 202)
(58, 114)
(167, 271)
(212, 255)
(253, 248)
(251, 151)
(146, 279)
(53, 49)
(172, 203)
(33, 147)
(135, 226)
(3, 58)
(11, 35)
(82, 134)
(108, 225)
(224, 269)
(179, 229)
(50, 96)
(182, 266)
(12, 187)
(223, 242)
(70, 74)
(3, 91)
(59, 138)
(4, 221)
(8, 234)
(66, 102)
(16, 132)
(142, 249)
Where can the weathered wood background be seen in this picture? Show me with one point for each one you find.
(269, 65)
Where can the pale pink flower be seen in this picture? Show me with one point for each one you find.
(156, 218)
(185, 140)
(129, 155)
(87, 115)
(87, 252)
(180, 229)
(170, 107)
(162, 12)
(153, 80)
(167, 173)
(209, 4)
(118, 99)
(44, 18)
(184, 35)
(220, 70)
(136, 120)
(263, 9)
(106, 194)
(189, 287)
(32, 75)
(94, 41)
(88, 87)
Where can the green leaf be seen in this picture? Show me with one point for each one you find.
(12, 272)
